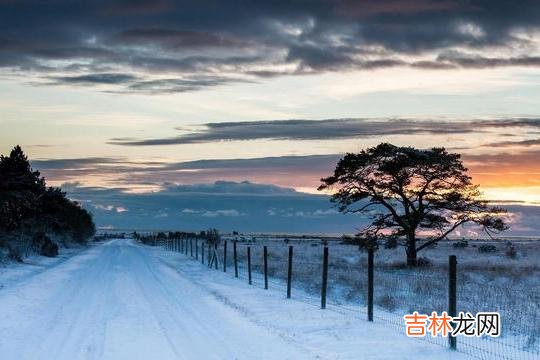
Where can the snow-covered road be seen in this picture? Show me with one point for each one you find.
(122, 300)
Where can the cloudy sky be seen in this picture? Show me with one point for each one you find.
(131, 99)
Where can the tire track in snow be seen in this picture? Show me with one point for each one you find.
(79, 308)
(174, 313)
(119, 301)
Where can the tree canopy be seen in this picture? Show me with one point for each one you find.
(407, 192)
(31, 213)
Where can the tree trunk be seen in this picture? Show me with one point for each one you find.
(411, 250)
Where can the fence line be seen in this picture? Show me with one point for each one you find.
(384, 295)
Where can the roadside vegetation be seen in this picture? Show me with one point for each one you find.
(36, 218)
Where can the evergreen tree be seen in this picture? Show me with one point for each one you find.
(31, 213)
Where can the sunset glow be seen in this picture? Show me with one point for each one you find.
(141, 97)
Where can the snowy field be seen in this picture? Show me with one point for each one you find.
(122, 300)
(502, 280)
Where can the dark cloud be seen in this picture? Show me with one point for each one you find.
(301, 171)
(314, 57)
(133, 83)
(481, 62)
(326, 129)
(490, 169)
(363, 9)
(274, 163)
(76, 163)
(530, 142)
(241, 206)
(493, 169)
(137, 7)
(94, 79)
(253, 39)
(180, 85)
(518, 122)
(230, 187)
(168, 38)
(519, 160)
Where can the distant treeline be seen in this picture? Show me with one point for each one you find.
(107, 236)
(210, 235)
(35, 218)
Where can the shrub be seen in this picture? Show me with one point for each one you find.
(423, 262)
(510, 251)
(461, 244)
(386, 301)
(38, 239)
(49, 248)
(15, 254)
(487, 248)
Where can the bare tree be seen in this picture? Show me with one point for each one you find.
(407, 191)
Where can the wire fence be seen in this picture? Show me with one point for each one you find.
(396, 292)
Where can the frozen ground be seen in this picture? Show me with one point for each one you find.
(121, 300)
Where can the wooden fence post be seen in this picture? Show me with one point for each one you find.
(289, 272)
(202, 253)
(324, 278)
(265, 263)
(225, 256)
(249, 264)
(235, 260)
(214, 256)
(452, 295)
(370, 285)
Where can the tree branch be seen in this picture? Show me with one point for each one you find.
(443, 235)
